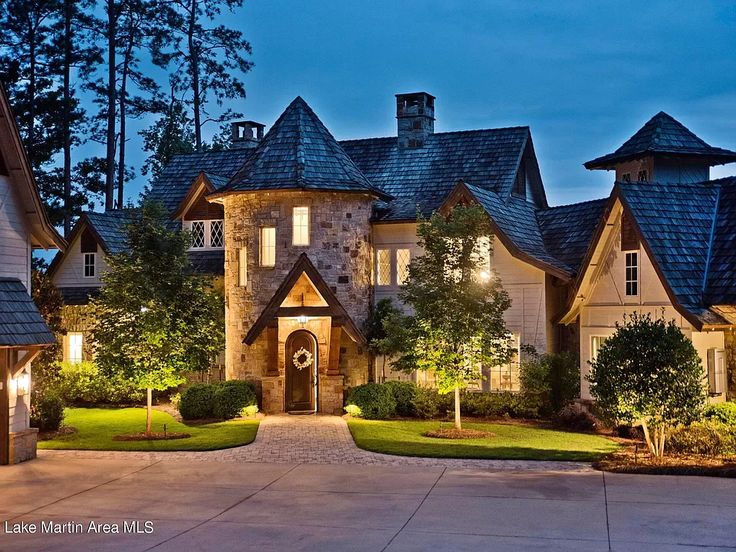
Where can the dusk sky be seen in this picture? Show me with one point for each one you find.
(583, 75)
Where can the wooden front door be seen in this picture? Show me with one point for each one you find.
(301, 372)
(4, 407)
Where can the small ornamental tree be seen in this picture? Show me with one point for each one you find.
(456, 324)
(156, 320)
(380, 341)
(648, 372)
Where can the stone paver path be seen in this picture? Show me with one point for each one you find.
(316, 439)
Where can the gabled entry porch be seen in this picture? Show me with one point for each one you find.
(306, 329)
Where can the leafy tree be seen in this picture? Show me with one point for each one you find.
(168, 136)
(457, 324)
(552, 378)
(49, 301)
(380, 341)
(155, 319)
(649, 372)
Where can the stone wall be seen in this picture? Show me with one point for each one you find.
(339, 248)
(23, 445)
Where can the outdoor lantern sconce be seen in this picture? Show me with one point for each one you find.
(22, 383)
(302, 320)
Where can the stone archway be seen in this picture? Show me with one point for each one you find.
(301, 359)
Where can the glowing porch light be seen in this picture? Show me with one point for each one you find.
(22, 383)
(302, 319)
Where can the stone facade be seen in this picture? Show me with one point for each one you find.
(340, 249)
(23, 445)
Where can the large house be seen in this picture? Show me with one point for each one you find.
(307, 233)
(24, 226)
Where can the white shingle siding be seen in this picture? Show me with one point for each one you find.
(15, 246)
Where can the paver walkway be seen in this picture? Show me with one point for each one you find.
(316, 439)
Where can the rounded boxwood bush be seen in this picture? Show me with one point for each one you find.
(197, 402)
(47, 410)
(722, 412)
(403, 392)
(231, 397)
(376, 402)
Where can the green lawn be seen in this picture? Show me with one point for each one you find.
(97, 426)
(510, 441)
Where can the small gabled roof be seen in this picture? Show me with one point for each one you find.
(205, 183)
(299, 153)
(334, 309)
(663, 135)
(14, 157)
(20, 322)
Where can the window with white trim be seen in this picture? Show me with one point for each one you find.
(198, 234)
(242, 266)
(74, 347)
(632, 274)
(383, 267)
(403, 258)
(268, 246)
(596, 342)
(300, 219)
(90, 268)
(505, 377)
(217, 236)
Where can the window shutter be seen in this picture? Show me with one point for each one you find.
(629, 239)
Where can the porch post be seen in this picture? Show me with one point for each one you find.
(333, 366)
(4, 407)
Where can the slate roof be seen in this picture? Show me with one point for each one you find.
(211, 261)
(568, 229)
(663, 134)
(175, 180)
(20, 322)
(298, 152)
(78, 295)
(689, 229)
(111, 227)
(424, 176)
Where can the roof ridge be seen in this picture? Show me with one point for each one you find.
(466, 131)
(587, 201)
(709, 255)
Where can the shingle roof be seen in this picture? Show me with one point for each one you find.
(695, 256)
(298, 152)
(568, 229)
(424, 176)
(663, 134)
(78, 295)
(111, 227)
(20, 322)
(175, 180)
(210, 262)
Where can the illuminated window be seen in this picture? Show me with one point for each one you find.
(301, 226)
(632, 274)
(74, 348)
(197, 231)
(383, 267)
(216, 234)
(596, 342)
(242, 266)
(89, 265)
(506, 376)
(403, 258)
(268, 246)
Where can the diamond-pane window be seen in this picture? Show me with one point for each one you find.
(403, 258)
(197, 231)
(216, 234)
(383, 267)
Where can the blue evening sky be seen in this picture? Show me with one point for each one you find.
(583, 75)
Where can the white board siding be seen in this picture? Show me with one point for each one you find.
(524, 283)
(70, 272)
(15, 244)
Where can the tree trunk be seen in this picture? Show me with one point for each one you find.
(111, 88)
(194, 75)
(383, 369)
(68, 10)
(31, 127)
(149, 408)
(457, 408)
(123, 99)
(655, 438)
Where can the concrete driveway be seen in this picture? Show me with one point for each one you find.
(292, 507)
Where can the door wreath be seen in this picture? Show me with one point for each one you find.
(302, 364)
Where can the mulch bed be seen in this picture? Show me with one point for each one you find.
(153, 436)
(631, 460)
(61, 432)
(452, 433)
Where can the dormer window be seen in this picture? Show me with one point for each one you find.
(89, 265)
(643, 176)
(206, 234)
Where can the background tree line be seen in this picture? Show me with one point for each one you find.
(78, 71)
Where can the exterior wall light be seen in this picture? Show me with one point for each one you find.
(22, 383)
(302, 320)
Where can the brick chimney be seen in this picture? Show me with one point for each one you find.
(246, 134)
(415, 116)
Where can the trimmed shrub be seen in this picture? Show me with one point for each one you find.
(83, 384)
(707, 438)
(577, 418)
(550, 381)
(47, 410)
(724, 413)
(497, 405)
(425, 403)
(376, 401)
(403, 392)
(197, 402)
(231, 397)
